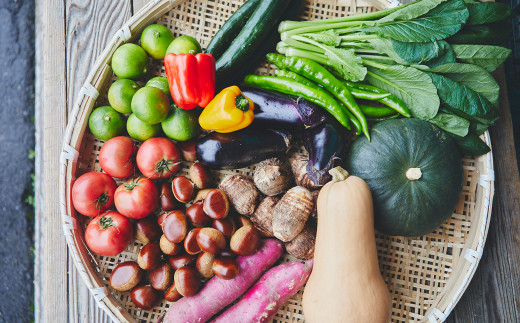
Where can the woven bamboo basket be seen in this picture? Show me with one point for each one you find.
(426, 275)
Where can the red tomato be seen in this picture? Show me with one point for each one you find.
(109, 233)
(158, 158)
(93, 193)
(115, 157)
(136, 198)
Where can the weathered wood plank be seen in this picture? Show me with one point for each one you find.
(90, 26)
(52, 118)
(494, 293)
(138, 4)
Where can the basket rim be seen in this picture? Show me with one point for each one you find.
(438, 311)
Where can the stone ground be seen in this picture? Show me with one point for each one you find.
(16, 141)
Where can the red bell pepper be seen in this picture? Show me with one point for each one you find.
(191, 79)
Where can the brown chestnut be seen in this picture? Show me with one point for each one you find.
(190, 242)
(145, 297)
(175, 226)
(204, 264)
(200, 175)
(168, 201)
(242, 221)
(147, 230)
(161, 218)
(226, 226)
(211, 240)
(245, 241)
(172, 294)
(183, 189)
(149, 256)
(169, 248)
(195, 213)
(201, 195)
(187, 281)
(161, 277)
(125, 276)
(179, 261)
(216, 204)
(225, 267)
(188, 150)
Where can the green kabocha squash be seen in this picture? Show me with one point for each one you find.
(414, 171)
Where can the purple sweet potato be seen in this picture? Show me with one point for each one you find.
(264, 299)
(218, 293)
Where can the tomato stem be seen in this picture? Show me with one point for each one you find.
(164, 165)
(105, 223)
(101, 200)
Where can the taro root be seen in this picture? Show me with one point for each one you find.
(125, 276)
(241, 192)
(262, 219)
(291, 213)
(314, 212)
(272, 176)
(302, 246)
(299, 169)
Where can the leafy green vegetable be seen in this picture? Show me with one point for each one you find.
(412, 86)
(487, 56)
(471, 145)
(384, 46)
(430, 54)
(478, 128)
(327, 37)
(463, 101)
(412, 10)
(490, 34)
(441, 22)
(344, 61)
(486, 12)
(451, 123)
(472, 76)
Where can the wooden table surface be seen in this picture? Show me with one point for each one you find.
(70, 34)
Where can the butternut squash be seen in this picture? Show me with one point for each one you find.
(345, 284)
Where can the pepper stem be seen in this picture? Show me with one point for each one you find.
(338, 174)
(413, 173)
(241, 103)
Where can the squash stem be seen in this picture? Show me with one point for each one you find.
(413, 173)
(338, 174)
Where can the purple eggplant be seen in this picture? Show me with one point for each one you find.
(241, 148)
(324, 143)
(281, 112)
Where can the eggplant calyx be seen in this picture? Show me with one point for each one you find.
(320, 176)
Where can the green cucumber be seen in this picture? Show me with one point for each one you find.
(231, 28)
(265, 16)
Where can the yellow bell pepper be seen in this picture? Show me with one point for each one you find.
(229, 111)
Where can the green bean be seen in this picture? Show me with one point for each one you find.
(320, 75)
(313, 94)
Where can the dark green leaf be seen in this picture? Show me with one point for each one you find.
(441, 22)
(472, 76)
(491, 34)
(478, 128)
(346, 62)
(471, 145)
(412, 10)
(451, 123)
(486, 56)
(413, 87)
(463, 101)
(486, 12)
(430, 54)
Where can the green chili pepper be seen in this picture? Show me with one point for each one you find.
(391, 101)
(289, 86)
(319, 74)
(370, 111)
(298, 78)
(376, 120)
